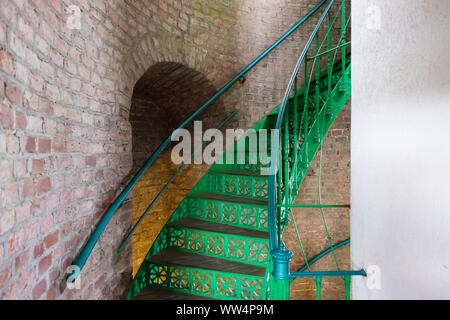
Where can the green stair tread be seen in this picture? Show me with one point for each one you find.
(210, 226)
(174, 257)
(160, 293)
(240, 173)
(227, 198)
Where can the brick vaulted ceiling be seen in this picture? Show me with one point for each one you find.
(177, 89)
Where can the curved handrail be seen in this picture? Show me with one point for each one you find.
(322, 254)
(84, 254)
(274, 235)
(141, 218)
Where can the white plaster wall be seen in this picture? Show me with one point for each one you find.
(400, 217)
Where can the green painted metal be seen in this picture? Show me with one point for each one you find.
(202, 282)
(279, 289)
(248, 250)
(323, 97)
(348, 280)
(321, 255)
(342, 273)
(141, 218)
(249, 216)
(318, 281)
(84, 254)
(314, 205)
(239, 195)
(252, 187)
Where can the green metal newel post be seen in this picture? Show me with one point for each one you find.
(281, 277)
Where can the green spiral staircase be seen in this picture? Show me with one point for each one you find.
(224, 241)
(216, 243)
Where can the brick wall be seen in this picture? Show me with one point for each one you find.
(335, 189)
(65, 132)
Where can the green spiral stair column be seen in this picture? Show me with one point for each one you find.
(216, 244)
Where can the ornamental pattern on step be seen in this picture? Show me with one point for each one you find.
(231, 247)
(243, 186)
(204, 282)
(238, 214)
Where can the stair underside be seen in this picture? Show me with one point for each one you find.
(158, 293)
(227, 198)
(174, 257)
(219, 227)
(240, 173)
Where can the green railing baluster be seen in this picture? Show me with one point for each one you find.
(286, 156)
(318, 287)
(343, 35)
(295, 128)
(347, 280)
(306, 114)
(329, 62)
(317, 90)
(280, 195)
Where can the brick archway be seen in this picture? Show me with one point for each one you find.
(165, 95)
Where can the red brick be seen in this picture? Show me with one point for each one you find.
(21, 261)
(44, 145)
(51, 239)
(30, 145)
(5, 275)
(91, 161)
(12, 144)
(38, 250)
(45, 264)
(21, 121)
(6, 221)
(20, 167)
(6, 116)
(54, 274)
(6, 170)
(39, 289)
(7, 63)
(44, 185)
(14, 93)
(28, 188)
(38, 165)
(13, 193)
(16, 241)
(23, 212)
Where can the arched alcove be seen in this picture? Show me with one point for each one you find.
(165, 95)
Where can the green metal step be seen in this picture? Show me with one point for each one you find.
(240, 184)
(219, 240)
(202, 275)
(236, 211)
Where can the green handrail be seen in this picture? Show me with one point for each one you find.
(298, 134)
(141, 218)
(323, 254)
(274, 229)
(81, 259)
